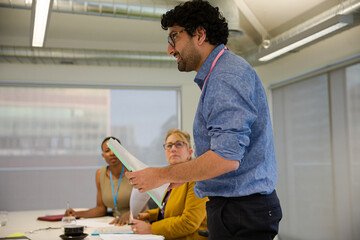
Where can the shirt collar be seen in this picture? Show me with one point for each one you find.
(205, 67)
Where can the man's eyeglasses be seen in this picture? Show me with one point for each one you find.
(172, 36)
(178, 144)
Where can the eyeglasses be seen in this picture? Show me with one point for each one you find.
(178, 144)
(172, 36)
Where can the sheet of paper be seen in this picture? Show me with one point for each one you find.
(138, 202)
(125, 229)
(130, 237)
(95, 222)
(133, 164)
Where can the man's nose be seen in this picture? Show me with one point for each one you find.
(170, 50)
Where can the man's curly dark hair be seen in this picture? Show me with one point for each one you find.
(198, 13)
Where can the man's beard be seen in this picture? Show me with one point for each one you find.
(182, 66)
(189, 59)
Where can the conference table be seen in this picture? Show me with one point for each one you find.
(26, 222)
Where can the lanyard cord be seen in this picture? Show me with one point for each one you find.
(165, 201)
(112, 186)
(213, 65)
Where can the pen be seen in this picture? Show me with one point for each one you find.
(68, 208)
(131, 224)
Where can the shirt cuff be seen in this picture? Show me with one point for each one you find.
(229, 146)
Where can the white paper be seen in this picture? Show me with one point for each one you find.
(100, 222)
(133, 164)
(125, 229)
(130, 237)
(138, 202)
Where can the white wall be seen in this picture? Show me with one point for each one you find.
(321, 54)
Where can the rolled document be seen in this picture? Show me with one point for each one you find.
(134, 164)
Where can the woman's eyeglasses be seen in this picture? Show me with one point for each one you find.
(172, 36)
(178, 144)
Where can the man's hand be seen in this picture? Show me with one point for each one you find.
(146, 179)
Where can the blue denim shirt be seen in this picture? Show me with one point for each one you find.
(233, 120)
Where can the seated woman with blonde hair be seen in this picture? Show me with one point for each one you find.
(183, 214)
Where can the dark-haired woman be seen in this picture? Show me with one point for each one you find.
(113, 190)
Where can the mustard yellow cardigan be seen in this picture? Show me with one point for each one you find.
(185, 215)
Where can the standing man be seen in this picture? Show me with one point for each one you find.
(235, 162)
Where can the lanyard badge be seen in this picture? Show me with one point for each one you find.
(116, 212)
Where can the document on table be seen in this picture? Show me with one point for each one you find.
(133, 164)
(100, 222)
(125, 229)
(101, 226)
(130, 237)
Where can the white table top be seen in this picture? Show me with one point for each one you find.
(26, 221)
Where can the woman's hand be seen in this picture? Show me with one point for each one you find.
(70, 212)
(144, 216)
(122, 220)
(141, 227)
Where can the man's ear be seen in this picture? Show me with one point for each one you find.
(200, 34)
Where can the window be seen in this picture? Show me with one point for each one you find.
(50, 139)
(352, 75)
(317, 133)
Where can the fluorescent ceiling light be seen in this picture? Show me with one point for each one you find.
(350, 8)
(315, 32)
(40, 16)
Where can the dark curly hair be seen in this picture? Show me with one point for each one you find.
(198, 13)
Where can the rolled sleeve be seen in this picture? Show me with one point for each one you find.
(227, 146)
(229, 113)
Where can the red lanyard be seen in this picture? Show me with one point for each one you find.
(213, 65)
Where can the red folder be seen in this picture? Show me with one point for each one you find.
(51, 218)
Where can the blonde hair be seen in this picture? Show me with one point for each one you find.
(181, 134)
